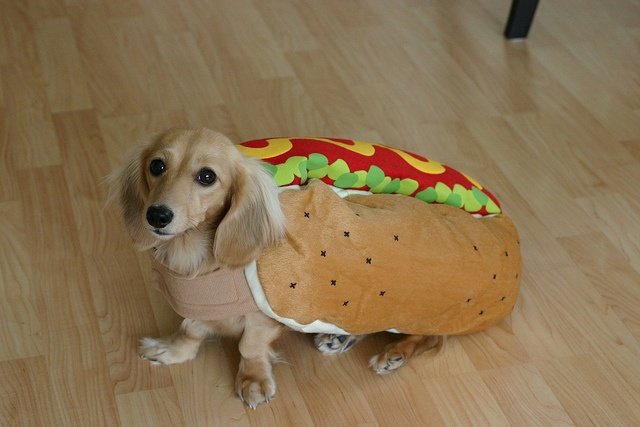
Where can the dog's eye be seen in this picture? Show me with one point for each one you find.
(157, 167)
(206, 176)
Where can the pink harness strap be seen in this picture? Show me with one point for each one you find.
(218, 295)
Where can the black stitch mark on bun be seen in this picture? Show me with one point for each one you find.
(481, 312)
(346, 303)
(323, 253)
(346, 234)
(382, 293)
(495, 275)
(306, 214)
(475, 248)
(369, 260)
(503, 298)
(396, 238)
(506, 253)
(468, 299)
(293, 285)
(334, 282)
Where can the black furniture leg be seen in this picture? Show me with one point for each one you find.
(520, 18)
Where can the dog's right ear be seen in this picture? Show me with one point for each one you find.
(129, 190)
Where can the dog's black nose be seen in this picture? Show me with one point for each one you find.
(159, 216)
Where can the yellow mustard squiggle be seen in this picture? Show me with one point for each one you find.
(274, 148)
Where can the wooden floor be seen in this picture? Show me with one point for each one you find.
(551, 125)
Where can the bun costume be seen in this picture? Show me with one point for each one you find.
(354, 262)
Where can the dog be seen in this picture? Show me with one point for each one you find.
(192, 199)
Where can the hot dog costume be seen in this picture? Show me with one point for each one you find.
(354, 262)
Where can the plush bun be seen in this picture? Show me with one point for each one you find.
(369, 263)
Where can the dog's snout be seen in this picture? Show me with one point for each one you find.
(159, 216)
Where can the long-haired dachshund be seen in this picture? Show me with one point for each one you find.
(200, 204)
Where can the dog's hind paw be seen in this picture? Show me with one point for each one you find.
(387, 362)
(333, 344)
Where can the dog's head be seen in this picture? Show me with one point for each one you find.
(195, 181)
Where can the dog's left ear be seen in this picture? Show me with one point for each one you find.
(254, 220)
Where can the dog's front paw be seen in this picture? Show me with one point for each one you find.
(166, 351)
(387, 362)
(332, 344)
(254, 390)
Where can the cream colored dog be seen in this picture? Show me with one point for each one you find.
(201, 205)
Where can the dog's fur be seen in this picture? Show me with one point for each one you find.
(225, 224)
